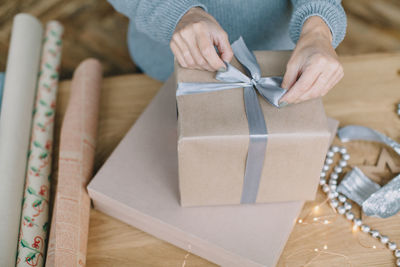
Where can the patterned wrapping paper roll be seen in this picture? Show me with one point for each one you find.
(35, 209)
(15, 127)
(70, 220)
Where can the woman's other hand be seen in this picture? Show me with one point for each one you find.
(313, 68)
(195, 38)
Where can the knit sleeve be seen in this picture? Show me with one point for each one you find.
(155, 18)
(331, 11)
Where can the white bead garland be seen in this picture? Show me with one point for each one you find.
(384, 239)
(339, 201)
(347, 205)
(341, 210)
(365, 228)
(342, 198)
(350, 215)
(374, 233)
(392, 246)
(357, 222)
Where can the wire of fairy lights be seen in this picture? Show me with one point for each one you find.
(339, 204)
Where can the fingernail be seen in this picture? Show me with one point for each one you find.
(222, 69)
(283, 104)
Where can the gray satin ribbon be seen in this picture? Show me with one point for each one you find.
(377, 201)
(357, 186)
(268, 87)
(385, 202)
(356, 132)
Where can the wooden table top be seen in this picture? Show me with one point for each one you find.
(367, 95)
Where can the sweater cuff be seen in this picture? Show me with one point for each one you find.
(332, 13)
(169, 18)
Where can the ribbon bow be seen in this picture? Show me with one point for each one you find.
(268, 87)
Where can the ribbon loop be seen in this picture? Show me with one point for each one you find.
(246, 58)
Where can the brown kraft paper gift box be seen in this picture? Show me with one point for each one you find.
(213, 142)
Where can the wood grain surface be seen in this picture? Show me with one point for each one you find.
(367, 95)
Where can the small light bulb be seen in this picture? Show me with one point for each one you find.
(326, 221)
(300, 221)
(325, 247)
(315, 219)
(316, 249)
(374, 247)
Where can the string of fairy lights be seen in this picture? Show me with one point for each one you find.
(340, 205)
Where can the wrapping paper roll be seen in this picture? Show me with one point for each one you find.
(2, 75)
(15, 127)
(70, 221)
(35, 210)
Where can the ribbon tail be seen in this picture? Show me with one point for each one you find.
(356, 132)
(257, 146)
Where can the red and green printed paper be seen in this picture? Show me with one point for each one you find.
(35, 210)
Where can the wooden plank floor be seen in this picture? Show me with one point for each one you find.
(94, 29)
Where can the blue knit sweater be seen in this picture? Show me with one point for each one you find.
(264, 25)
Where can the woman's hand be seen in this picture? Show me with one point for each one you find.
(313, 68)
(194, 39)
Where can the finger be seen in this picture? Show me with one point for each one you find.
(302, 85)
(208, 51)
(224, 47)
(317, 88)
(335, 80)
(184, 50)
(178, 54)
(326, 81)
(291, 75)
(191, 42)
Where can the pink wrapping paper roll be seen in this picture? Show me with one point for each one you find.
(70, 222)
(35, 209)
